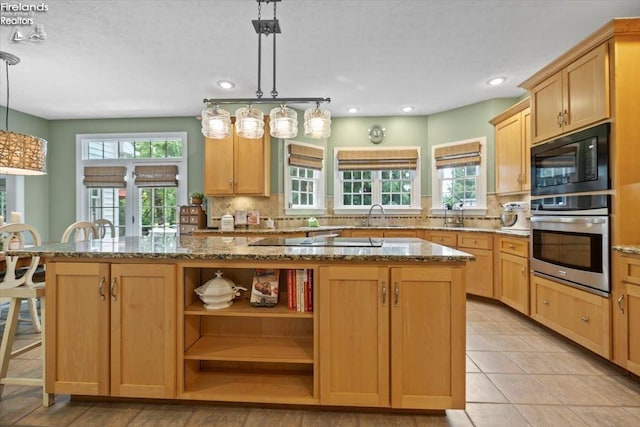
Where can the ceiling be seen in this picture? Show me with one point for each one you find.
(156, 58)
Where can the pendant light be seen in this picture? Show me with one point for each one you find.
(20, 154)
(283, 120)
(216, 122)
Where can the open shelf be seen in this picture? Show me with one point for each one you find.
(245, 309)
(272, 387)
(252, 349)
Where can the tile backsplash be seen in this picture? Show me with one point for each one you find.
(273, 207)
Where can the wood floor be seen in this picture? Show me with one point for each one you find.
(518, 374)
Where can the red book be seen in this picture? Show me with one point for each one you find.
(291, 305)
(309, 291)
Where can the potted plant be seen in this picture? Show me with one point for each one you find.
(196, 198)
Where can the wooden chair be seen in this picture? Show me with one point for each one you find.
(81, 231)
(102, 225)
(19, 288)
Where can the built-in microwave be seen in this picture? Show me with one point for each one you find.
(572, 164)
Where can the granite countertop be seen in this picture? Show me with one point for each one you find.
(326, 228)
(627, 249)
(237, 248)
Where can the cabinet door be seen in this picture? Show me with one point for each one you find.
(354, 336)
(633, 328)
(143, 331)
(509, 155)
(525, 182)
(427, 361)
(514, 282)
(480, 272)
(546, 106)
(586, 89)
(218, 166)
(250, 166)
(77, 332)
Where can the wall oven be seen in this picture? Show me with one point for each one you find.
(572, 164)
(571, 246)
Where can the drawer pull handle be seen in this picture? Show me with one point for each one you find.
(524, 271)
(113, 289)
(559, 119)
(475, 241)
(545, 302)
(512, 246)
(397, 294)
(101, 288)
(564, 117)
(384, 294)
(584, 319)
(620, 307)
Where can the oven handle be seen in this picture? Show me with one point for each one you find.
(569, 219)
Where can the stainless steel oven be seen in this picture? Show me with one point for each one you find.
(572, 247)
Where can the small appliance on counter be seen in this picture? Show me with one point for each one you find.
(514, 216)
(218, 292)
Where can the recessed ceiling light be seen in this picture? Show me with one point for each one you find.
(407, 109)
(226, 84)
(352, 110)
(496, 81)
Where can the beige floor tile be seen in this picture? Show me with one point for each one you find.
(18, 402)
(471, 367)
(259, 417)
(25, 368)
(453, 418)
(158, 415)
(522, 388)
(623, 393)
(108, 414)
(495, 415)
(387, 420)
(61, 414)
(550, 416)
(573, 390)
(481, 389)
(218, 415)
(494, 361)
(480, 316)
(523, 328)
(576, 363)
(605, 416)
(471, 330)
(329, 418)
(491, 328)
(635, 411)
(480, 342)
(511, 343)
(538, 363)
(550, 343)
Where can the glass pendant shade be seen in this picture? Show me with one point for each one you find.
(249, 123)
(216, 123)
(317, 123)
(22, 154)
(284, 122)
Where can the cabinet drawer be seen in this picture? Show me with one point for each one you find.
(631, 269)
(184, 219)
(445, 239)
(186, 229)
(475, 241)
(576, 314)
(514, 246)
(194, 210)
(184, 210)
(194, 219)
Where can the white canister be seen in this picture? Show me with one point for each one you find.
(226, 222)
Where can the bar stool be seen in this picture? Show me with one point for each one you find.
(103, 225)
(81, 231)
(19, 289)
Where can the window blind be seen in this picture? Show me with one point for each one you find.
(305, 156)
(156, 176)
(466, 154)
(105, 176)
(405, 158)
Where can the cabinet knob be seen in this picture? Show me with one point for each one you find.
(475, 241)
(545, 302)
(585, 319)
(512, 246)
(231, 183)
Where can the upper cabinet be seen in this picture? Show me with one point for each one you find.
(513, 143)
(238, 166)
(572, 98)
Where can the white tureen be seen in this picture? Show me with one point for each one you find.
(218, 292)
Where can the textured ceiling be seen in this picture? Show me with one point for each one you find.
(147, 58)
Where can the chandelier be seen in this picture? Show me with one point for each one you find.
(20, 154)
(283, 121)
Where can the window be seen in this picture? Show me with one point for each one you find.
(459, 177)
(389, 177)
(133, 181)
(11, 195)
(304, 179)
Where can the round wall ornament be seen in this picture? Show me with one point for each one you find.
(376, 134)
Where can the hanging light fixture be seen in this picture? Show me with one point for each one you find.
(216, 122)
(20, 154)
(283, 120)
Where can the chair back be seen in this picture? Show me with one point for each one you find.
(81, 231)
(102, 225)
(12, 236)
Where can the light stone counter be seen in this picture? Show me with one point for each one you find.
(628, 249)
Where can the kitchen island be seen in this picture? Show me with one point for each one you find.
(386, 326)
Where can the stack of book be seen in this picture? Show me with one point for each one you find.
(300, 289)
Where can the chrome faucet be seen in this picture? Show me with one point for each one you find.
(371, 210)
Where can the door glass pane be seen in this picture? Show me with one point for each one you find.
(158, 211)
(108, 203)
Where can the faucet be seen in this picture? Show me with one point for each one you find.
(371, 210)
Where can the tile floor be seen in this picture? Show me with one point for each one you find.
(518, 374)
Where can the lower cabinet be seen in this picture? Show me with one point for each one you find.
(480, 271)
(111, 329)
(626, 311)
(513, 271)
(392, 337)
(579, 315)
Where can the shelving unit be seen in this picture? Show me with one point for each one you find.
(243, 353)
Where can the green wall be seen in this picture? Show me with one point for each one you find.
(50, 200)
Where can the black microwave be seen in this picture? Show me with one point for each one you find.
(572, 164)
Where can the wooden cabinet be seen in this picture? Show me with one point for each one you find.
(626, 311)
(380, 345)
(192, 218)
(369, 232)
(111, 329)
(512, 148)
(444, 238)
(572, 98)
(579, 315)
(238, 166)
(513, 271)
(480, 271)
